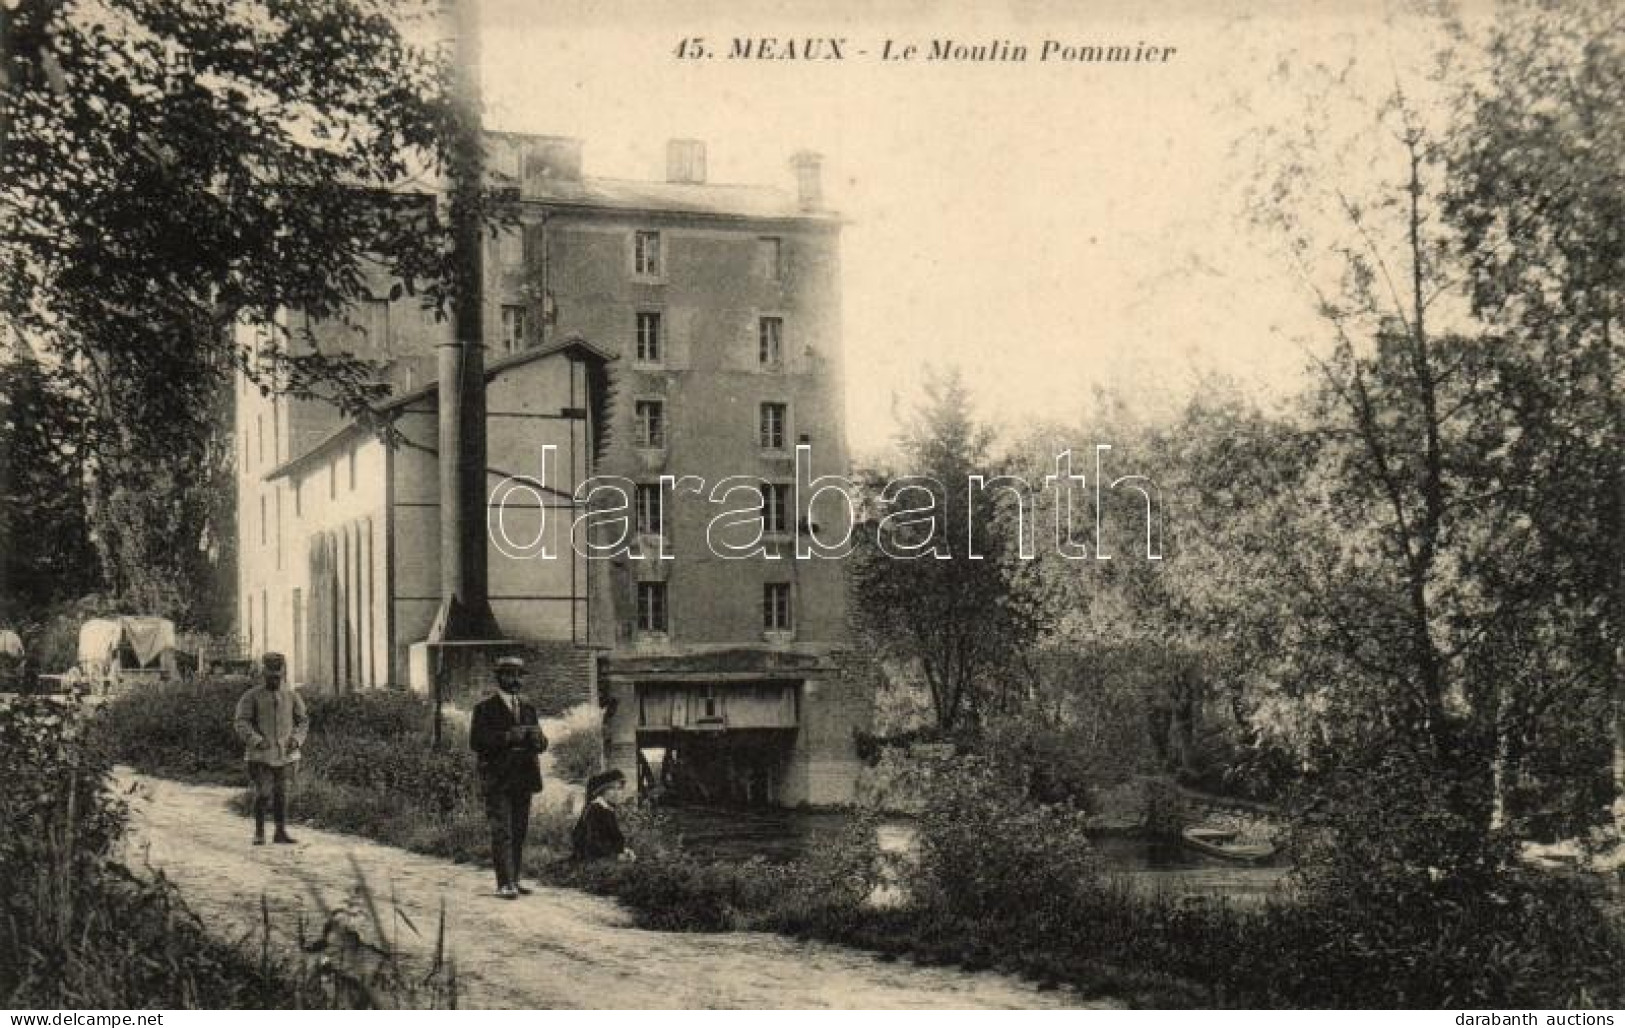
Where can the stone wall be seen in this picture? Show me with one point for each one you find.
(558, 675)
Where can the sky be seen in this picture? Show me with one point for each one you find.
(1050, 228)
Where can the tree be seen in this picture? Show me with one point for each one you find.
(1539, 196)
(1468, 444)
(1418, 515)
(44, 537)
(164, 528)
(1201, 638)
(964, 622)
(169, 172)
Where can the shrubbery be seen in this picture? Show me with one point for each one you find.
(824, 895)
(176, 729)
(368, 767)
(578, 749)
(375, 742)
(1401, 877)
(987, 850)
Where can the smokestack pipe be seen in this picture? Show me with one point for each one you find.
(465, 605)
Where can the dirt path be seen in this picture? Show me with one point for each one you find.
(557, 948)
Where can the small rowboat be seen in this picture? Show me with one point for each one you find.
(1221, 843)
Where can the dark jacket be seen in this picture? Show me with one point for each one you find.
(597, 834)
(506, 764)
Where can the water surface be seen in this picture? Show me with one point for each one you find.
(785, 835)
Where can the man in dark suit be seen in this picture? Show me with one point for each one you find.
(507, 739)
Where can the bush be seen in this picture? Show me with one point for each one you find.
(376, 713)
(1394, 826)
(404, 769)
(1055, 762)
(176, 729)
(1166, 812)
(1402, 878)
(578, 751)
(671, 890)
(376, 741)
(871, 746)
(987, 851)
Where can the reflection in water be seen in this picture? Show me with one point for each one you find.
(738, 834)
(785, 835)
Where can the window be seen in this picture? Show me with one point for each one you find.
(775, 416)
(259, 437)
(776, 607)
(651, 606)
(375, 324)
(333, 479)
(514, 326)
(651, 423)
(298, 498)
(350, 457)
(649, 336)
(646, 254)
(262, 519)
(651, 513)
(775, 509)
(770, 258)
(770, 342)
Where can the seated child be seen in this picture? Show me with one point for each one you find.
(597, 834)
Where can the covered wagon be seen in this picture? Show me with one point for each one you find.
(119, 651)
(14, 669)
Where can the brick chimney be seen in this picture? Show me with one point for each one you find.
(685, 161)
(552, 157)
(809, 169)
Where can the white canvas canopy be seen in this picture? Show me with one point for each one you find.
(149, 639)
(10, 644)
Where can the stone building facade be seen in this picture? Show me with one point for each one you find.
(678, 340)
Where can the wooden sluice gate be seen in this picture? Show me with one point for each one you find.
(716, 743)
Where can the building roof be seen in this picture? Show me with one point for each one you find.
(707, 198)
(573, 347)
(732, 660)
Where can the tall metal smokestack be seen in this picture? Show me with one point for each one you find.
(465, 605)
